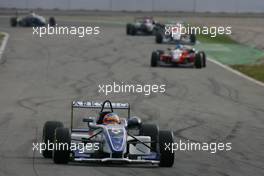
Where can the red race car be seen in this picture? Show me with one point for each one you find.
(180, 56)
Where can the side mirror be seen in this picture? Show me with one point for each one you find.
(134, 122)
(88, 120)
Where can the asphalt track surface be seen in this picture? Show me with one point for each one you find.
(40, 77)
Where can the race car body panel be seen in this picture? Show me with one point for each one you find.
(178, 57)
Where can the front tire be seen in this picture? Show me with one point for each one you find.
(52, 21)
(198, 62)
(13, 22)
(159, 38)
(61, 155)
(166, 155)
(203, 56)
(133, 30)
(193, 39)
(48, 136)
(128, 29)
(155, 57)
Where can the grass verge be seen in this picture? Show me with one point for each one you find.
(239, 57)
(254, 71)
(219, 39)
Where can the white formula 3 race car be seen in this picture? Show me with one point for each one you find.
(126, 141)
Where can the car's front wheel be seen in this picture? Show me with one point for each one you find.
(159, 37)
(133, 30)
(198, 61)
(166, 153)
(52, 21)
(62, 143)
(155, 57)
(13, 22)
(203, 56)
(48, 136)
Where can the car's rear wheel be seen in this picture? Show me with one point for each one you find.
(48, 136)
(198, 62)
(62, 140)
(151, 130)
(159, 37)
(166, 154)
(155, 57)
(13, 22)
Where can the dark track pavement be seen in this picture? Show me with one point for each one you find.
(39, 77)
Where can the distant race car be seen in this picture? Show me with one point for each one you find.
(115, 139)
(31, 20)
(142, 25)
(180, 56)
(173, 33)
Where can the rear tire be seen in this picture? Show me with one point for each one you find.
(63, 139)
(166, 156)
(13, 22)
(198, 62)
(159, 37)
(155, 57)
(151, 130)
(48, 135)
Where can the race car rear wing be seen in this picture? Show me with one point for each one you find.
(98, 105)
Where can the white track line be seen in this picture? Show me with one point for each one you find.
(3, 45)
(236, 72)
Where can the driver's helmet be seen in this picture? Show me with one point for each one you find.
(32, 13)
(178, 45)
(147, 20)
(111, 118)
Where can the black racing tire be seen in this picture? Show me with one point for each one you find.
(166, 155)
(193, 38)
(62, 138)
(159, 38)
(151, 130)
(154, 31)
(203, 56)
(155, 57)
(48, 136)
(198, 62)
(128, 29)
(13, 22)
(133, 30)
(52, 21)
